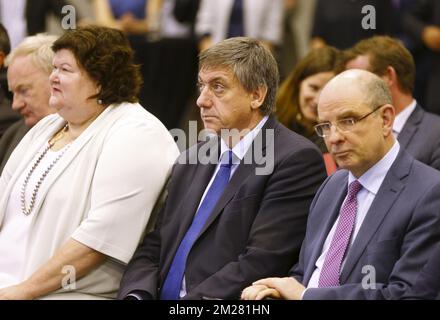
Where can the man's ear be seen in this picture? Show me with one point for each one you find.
(388, 115)
(258, 96)
(390, 77)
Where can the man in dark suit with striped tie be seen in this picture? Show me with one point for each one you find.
(237, 204)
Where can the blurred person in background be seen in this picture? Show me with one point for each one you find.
(342, 23)
(26, 18)
(416, 130)
(259, 19)
(297, 99)
(134, 17)
(422, 23)
(7, 115)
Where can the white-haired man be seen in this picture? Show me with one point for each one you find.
(29, 67)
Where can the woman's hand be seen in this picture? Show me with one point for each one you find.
(17, 292)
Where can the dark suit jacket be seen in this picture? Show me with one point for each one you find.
(10, 140)
(420, 136)
(255, 230)
(427, 284)
(397, 236)
(7, 115)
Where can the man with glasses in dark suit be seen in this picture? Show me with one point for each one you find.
(374, 223)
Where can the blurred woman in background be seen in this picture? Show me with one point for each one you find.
(297, 98)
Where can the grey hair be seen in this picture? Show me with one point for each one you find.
(39, 48)
(252, 63)
(376, 91)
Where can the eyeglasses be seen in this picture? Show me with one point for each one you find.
(343, 125)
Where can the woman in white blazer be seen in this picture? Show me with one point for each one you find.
(77, 192)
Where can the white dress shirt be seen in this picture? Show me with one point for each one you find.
(371, 182)
(402, 118)
(238, 153)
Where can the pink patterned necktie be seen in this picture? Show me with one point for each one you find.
(331, 268)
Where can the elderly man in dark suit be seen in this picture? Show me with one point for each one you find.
(372, 225)
(29, 66)
(416, 130)
(237, 205)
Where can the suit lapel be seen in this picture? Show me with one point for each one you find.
(411, 126)
(241, 173)
(202, 175)
(327, 224)
(387, 194)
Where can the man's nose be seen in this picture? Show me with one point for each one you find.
(334, 135)
(17, 102)
(204, 100)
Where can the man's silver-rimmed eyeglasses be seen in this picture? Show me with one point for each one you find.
(343, 125)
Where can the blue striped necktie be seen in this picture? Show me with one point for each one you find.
(173, 280)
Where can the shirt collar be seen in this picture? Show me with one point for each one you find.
(403, 116)
(373, 177)
(240, 149)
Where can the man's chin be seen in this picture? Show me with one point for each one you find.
(30, 122)
(343, 161)
(209, 126)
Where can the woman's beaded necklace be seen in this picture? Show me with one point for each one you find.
(24, 208)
